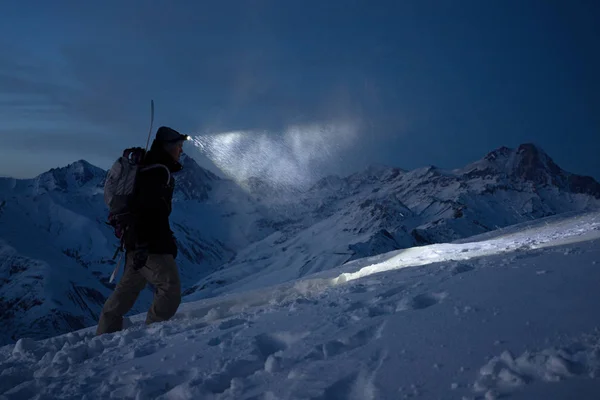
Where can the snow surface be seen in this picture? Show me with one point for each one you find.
(509, 313)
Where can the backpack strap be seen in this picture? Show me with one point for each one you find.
(152, 166)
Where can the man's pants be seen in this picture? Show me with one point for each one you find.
(161, 271)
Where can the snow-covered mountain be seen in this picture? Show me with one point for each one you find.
(383, 208)
(54, 226)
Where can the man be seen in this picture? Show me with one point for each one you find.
(151, 247)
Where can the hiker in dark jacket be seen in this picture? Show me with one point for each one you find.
(151, 246)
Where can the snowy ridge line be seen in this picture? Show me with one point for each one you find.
(532, 239)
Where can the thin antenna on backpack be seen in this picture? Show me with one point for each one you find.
(151, 123)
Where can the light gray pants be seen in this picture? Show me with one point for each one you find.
(161, 271)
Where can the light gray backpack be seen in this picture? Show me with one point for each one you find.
(120, 181)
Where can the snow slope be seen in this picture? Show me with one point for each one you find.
(29, 301)
(509, 314)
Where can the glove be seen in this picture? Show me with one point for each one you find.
(140, 256)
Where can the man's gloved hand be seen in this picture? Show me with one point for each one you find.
(140, 256)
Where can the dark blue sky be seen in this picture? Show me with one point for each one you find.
(425, 82)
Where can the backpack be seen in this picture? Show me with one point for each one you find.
(119, 190)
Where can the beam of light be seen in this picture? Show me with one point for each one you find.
(293, 159)
(529, 239)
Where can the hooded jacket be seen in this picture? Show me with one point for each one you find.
(153, 202)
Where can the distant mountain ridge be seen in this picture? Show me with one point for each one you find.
(383, 208)
(531, 163)
(55, 248)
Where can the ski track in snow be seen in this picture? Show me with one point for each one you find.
(371, 329)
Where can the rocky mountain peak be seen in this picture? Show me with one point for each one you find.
(71, 177)
(533, 164)
(193, 181)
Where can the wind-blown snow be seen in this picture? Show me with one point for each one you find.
(293, 158)
(510, 313)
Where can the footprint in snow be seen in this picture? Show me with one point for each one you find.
(230, 323)
(382, 309)
(421, 301)
(358, 385)
(358, 288)
(223, 340)
(359, 310)
(220, 381)
(153, 386)
(144, 350)
(524, 252)
(391, 292)
(375, 307)
(354, 306)
(344, 388)
(265, 345)
(460, 269)
(340, 346)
